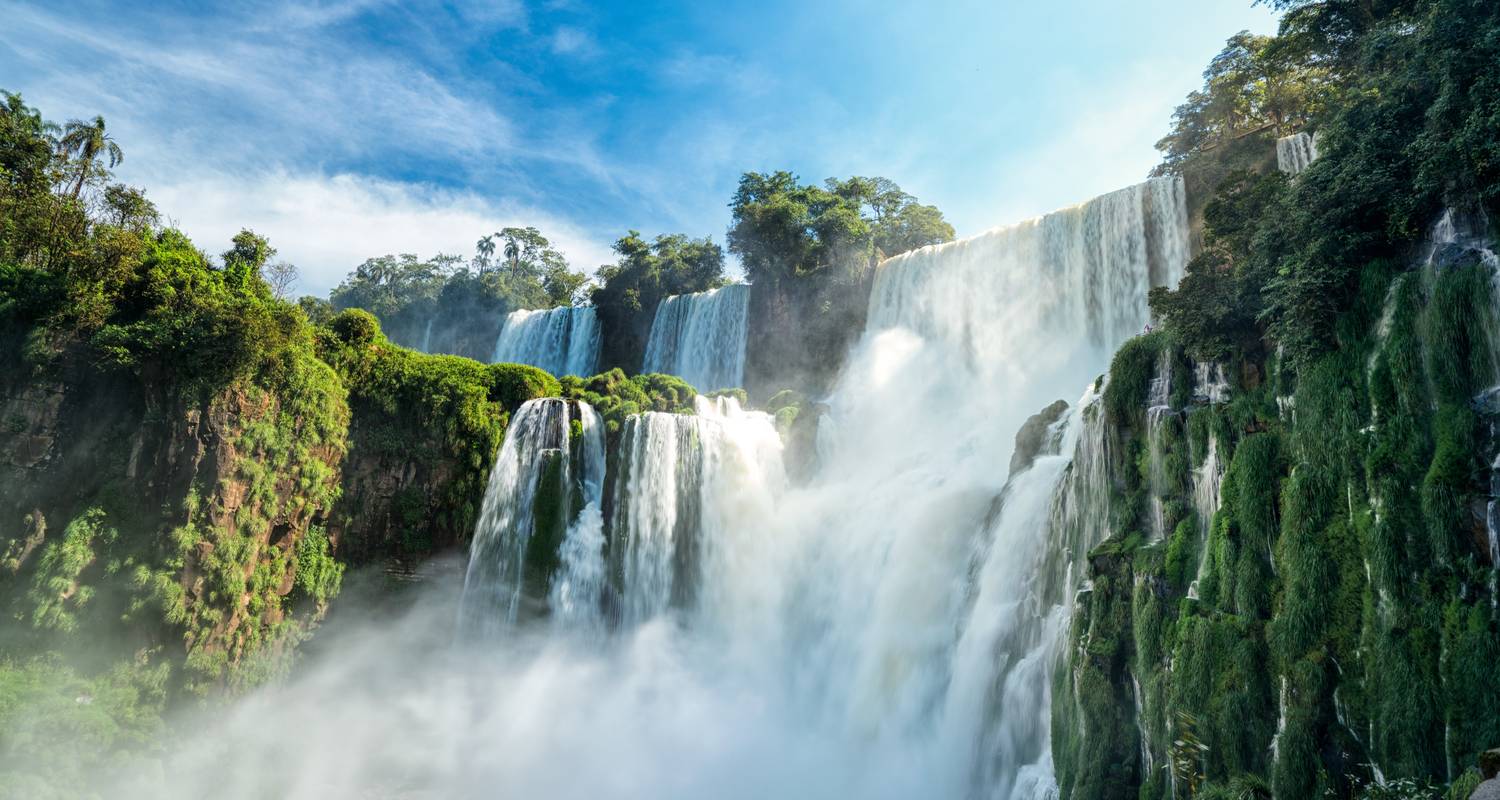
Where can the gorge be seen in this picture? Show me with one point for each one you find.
(1190, 490)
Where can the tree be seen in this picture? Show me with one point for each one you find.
(86, 142)
(127, 207)
(645, 273)
(281, 276)
(898, 223)
(1252, 85)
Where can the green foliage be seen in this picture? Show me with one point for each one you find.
(57, 592)
(456, 307)
(319, 575)
(810, 252)
(60, 730)
(616, 396)
(646, 273)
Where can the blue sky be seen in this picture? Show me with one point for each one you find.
(352, 128)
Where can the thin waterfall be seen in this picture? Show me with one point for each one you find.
(1208, 478)
(1158, 413)
(527, 520)
(577, 594)
(1296, 153)
(701, 337)
(562, 341)
(427, 337)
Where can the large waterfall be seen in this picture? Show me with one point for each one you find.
(904, 608)
(889, 628)
(563, 341)
(701, 337)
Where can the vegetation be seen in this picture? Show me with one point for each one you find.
(1344, 608)
(810, 251)
(209, 457)
(445, 304)
(645, 274)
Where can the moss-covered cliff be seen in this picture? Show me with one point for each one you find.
(1330, 615)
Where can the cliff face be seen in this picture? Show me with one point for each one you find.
(211, 531)
(1299, 590)
(182, 518)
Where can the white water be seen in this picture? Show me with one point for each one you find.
(701, 337)
(1210, 384)
(578, 586)
(427, 337)
(562, 341)
(1296, 153)
(889, 630)
(1158, 411)
(539, 436)
(1208, 478)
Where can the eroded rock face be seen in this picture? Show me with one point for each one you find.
(1033, 435)
(30, 423)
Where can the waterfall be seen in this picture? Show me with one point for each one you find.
(1210, 384)
(701, 337)
(1296, 152)
(1207, 480)
(889, 627)
(562, 341)
(578, 586)
(683, 484)
(1158, 411)
(427, 337)
(527, 520)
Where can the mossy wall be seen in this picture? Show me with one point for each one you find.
(1345, 618)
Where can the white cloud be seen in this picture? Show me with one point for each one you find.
(329, 224)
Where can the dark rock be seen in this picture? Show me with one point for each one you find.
(1033, 436)
(1489, 763)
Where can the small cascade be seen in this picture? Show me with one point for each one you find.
(542, 473)
(1158, 410)
(684, 484)
(562, 341)
(1210, 384)
(427, 337)
(1296, 153)
(701, 337)
(578, 586)
(1207, 480)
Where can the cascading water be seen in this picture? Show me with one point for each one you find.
(1296, 153)
(685, 484)
(562, 341)
(1158, 410)
(701, 337)
(578, 585)
(1207, 480)
(427, 337)
(527, 516)
(888, 629)
(1210, 384)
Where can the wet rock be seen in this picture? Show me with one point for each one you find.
(1033, 436)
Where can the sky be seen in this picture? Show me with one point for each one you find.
(347, 129)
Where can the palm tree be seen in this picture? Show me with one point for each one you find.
(88, 141)
(486, 248)
(513, 253)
